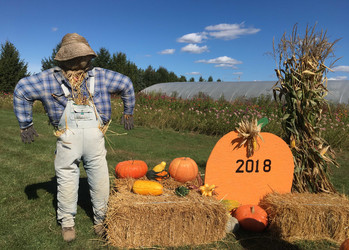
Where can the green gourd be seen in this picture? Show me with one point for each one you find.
(182, 191)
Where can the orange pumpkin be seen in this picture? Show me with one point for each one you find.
(183, 169)
(251, 217)
(345, 245)
(131, 169)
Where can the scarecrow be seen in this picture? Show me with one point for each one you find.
(76, 98)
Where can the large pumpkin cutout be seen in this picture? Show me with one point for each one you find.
(248, 179)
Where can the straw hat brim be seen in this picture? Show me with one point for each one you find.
(73, 50)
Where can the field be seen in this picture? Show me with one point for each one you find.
(165, 128)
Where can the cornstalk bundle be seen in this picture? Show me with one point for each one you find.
(302, 83)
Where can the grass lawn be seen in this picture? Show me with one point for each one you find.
(28, 188)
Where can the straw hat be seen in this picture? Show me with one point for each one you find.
(73, 45)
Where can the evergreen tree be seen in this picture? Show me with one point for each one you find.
(219, 80)
(162, 75)
(12, 68)
(210, 79)
(201, 79)
(192, 79)
(149, 76)
(50, 62)
(103, 59)
(182, 79)
(118, 62)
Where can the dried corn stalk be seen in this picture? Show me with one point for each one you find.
(248, 131)
(302, 86)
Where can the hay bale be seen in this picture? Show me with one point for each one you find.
(135, 220)
(305, 216)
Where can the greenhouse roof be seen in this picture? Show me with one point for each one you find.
(338, 89)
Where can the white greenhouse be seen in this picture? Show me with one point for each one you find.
(338, 89)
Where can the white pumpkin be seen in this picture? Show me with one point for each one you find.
(232, 224)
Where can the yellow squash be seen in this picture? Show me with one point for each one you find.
(145, 187)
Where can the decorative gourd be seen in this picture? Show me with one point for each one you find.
(345, 245)
(230, 204)
(182, 191)
(183, 169)
(251, 217)
(145, 187)
(232, 224)
(160, 167)
(131, 169)
(162, 175)
(207, 190)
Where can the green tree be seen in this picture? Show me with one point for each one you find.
(210, 79)
(162, 75)
(149, 76)
(192, 79)
(50, 62)
(219, 80)
(201, 79)
(118, 62)
(12, 68)
(182, 79)
(103, 59)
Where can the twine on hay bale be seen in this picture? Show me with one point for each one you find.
(307, 216)
(135, 220)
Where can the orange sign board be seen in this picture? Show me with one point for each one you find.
(247, 180)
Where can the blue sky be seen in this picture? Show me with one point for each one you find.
(224, 39)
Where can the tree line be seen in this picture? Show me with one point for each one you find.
(13, 68)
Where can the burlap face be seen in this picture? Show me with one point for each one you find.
(73, 45)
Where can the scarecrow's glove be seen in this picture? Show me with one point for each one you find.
(27, 134)
(127, 121)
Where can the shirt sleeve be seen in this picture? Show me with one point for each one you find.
(24, 96)
(121, 84)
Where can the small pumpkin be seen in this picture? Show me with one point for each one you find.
(232, 224)
(146, 187)
(345, 245)
(251, 217)
(162, 175)
(183, 169)
(131, 169)
(182, 191)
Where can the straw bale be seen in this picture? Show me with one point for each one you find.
(306, 216)
(135, 220)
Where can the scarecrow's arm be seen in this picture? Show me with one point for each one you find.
(23, 98)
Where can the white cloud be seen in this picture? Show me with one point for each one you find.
(195, 49)
(167, 52)
(54, 29)
(338, 78)
(230, 31)
(237, 73)
(223, 61)
(341, 68)
(193, 73)
(193, 38)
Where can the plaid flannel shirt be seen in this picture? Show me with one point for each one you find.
(46, 87)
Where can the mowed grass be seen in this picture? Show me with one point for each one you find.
(28, 187)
